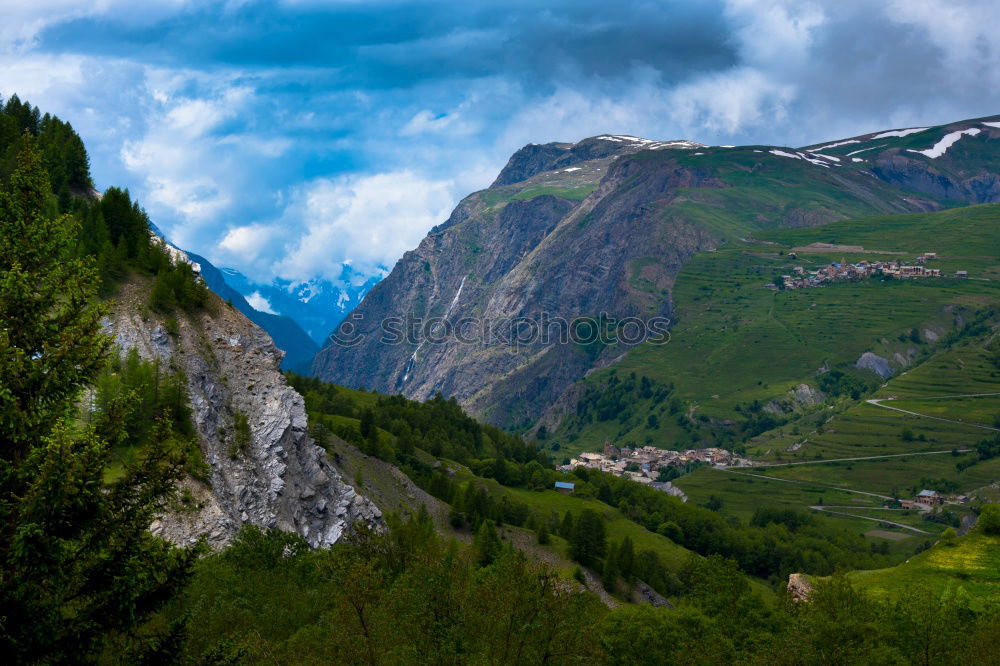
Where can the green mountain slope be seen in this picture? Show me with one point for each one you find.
(736, 347)
(967, 567)
(611, 225)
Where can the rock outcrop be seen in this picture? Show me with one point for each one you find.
(799, 587)
(875, 363)
(277, 479)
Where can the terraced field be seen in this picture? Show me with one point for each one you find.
(734, 342)
(972, 409)
(742, 493)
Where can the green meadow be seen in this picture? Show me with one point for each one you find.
(970, 568)
(734, 342)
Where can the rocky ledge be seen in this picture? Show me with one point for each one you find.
(276, 478)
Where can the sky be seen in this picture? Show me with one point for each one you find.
(290, 137)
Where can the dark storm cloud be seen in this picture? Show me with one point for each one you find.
(397, 44)
(285, 137)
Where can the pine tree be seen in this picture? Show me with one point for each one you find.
(542, 532)
(487, 543)
(566, 529)
(609, 576)
(50, 332)
(588, 543)
(626, 559)
(78, 566)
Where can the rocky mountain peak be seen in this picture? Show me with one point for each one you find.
(534, 159)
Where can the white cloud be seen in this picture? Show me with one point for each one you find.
(774, 33)
(731, 102)
(23, 21)
(965, 32)
(258, 302)
(365, 221)
(709, 108)
(426, 122)
(251, 243)
(193, 166)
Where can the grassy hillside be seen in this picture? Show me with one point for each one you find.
(737, 348)
(970, 567)
(734, 342)
(948, 407)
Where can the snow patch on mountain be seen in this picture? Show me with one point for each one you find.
(992, 124)
(946, 142)
(318, 305)
(781, 153)
(650, 144)
(902, 132)
(834, 145)
(800, 156)
(863, 150)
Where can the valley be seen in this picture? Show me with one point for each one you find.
(837, 444)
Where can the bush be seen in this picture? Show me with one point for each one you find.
(242, 435)
(989, 519)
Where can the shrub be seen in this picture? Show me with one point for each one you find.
(989, 519)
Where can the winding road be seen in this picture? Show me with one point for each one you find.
(877, 402)
(877, 520)
(833, 460)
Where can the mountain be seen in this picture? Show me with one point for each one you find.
(288, 336)
(265, 472)
(317, 306)
(602, 229)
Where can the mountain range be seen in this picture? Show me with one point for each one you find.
(602, 228)
(317, 305)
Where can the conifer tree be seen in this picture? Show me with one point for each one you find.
(566, 528)
(588, 543)
(487, 543)
(78, 566)
(542, 532)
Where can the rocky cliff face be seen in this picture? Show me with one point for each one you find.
(279, 478)
(603, 227)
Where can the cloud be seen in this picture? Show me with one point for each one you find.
(23, 21)
(250, 242)
(963, 32)
(364, 221)
(258, 302)
(287, 138)
(199, 157)
(426, 122)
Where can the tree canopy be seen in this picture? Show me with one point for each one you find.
(79, 569)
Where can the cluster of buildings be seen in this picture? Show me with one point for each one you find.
(643, 464)
(801, 278)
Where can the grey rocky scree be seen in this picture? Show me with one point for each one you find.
(275, 478)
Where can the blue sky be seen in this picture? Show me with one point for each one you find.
(288, 137)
